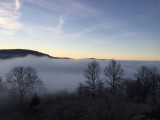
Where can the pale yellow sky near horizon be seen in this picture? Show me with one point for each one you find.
(82, 55)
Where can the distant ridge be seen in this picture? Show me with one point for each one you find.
(13, 53)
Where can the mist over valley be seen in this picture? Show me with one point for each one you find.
(66, 74)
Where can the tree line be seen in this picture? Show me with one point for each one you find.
(113, 97)
(143, 88)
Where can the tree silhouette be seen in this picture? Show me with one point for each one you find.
(113, 73)
(92, 76)
(143, 75)
(22, 80)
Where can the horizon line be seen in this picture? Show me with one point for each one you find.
(84, 57)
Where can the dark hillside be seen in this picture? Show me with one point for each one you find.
(13, 53)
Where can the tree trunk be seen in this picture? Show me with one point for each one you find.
(21, 100)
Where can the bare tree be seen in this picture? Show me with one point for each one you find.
(113, 73)
(143, 75)
(92, 76)
(22, 80)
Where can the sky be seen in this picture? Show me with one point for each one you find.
(104, 29)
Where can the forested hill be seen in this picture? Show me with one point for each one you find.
(13, 53)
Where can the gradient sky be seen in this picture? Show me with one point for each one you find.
(119, 29)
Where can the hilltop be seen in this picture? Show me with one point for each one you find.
(13, 53)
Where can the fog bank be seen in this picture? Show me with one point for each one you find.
(65, 74)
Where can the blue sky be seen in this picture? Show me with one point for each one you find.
(119, 29)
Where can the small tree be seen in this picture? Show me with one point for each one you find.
(22, 80)
(113, 73)
(35, 101)
(92, 76)
(82, 90)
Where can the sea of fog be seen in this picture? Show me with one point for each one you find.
(66, 74)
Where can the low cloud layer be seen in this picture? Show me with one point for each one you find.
(65, 74)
